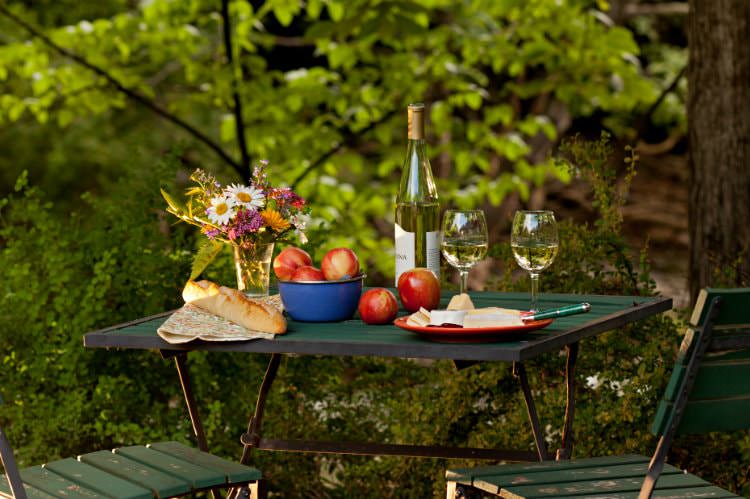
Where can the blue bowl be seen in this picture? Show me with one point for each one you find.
(321, 301)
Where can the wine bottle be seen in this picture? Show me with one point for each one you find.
(417, 228)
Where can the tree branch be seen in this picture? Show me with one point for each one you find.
(643, 121)
(672, 86)
(292, 41)
(315, 164)
(655, 9)
(239, 124)
(132, 94)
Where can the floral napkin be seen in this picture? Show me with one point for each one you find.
(190, 323)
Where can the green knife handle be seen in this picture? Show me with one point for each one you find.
(580, 308)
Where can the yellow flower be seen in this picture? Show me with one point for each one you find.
(274, 220)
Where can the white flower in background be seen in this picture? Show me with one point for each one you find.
(249, 197)
(300, 222)
(221, 210)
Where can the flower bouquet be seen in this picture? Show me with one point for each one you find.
(249, 218)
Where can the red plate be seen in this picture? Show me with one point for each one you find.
(447, 334)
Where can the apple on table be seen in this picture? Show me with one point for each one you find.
(419, 287)
(378, 306)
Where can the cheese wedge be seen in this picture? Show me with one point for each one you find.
(461, 302)
(419, 318)
(492, 320)
(440, 317)
(494, 310)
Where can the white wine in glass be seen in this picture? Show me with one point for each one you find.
(464, 241)
(534, 242)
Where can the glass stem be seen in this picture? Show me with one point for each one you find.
(534, 291)
(464, 286)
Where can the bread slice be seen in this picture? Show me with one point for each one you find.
(234, 306)
(461, 302)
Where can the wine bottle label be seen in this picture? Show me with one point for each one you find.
(433, 252)
(406, 247)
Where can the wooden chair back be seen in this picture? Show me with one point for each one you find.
(719, 399)
(9, 464)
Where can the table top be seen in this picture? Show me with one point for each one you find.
(355, 338)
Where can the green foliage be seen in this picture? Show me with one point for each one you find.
(206, 254)
(501, 79)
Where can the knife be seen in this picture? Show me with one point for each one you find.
(554, 313)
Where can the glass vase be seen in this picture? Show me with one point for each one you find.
(253, 264)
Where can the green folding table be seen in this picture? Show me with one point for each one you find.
(355, 338)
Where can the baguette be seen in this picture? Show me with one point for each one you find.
(233, 305)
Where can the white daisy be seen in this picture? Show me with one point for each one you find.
(221, 210)
(249, 197)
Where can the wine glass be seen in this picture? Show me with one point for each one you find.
(534, 242)
(464, 241)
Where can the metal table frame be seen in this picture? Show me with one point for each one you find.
(462, 354)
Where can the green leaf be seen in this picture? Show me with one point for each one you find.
(172, 202)
(227, 130)
(473, 100)
(206, 254)
(336, 10)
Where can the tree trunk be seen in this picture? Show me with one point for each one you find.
(719, 137)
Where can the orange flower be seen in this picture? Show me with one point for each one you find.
(274, 220)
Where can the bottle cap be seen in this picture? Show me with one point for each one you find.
(416, 121)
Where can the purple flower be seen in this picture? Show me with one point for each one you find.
(246, 222)
(212, 233)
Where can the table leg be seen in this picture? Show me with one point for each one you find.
(567, 437)
(252, 437)
(519, 370)
(187, 390)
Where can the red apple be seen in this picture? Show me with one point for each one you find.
(378, 306)
(339, 263)
(419, 288)
(308, 273)
(288, 260)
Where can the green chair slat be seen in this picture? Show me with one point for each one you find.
(56, 485)
(98, 480)
(235, 472)
(31, 492)
(709, 492)
(717, 378)
(160, 483)
(703, 416)
(609, 486)
(576, 474)
(692, 492)
(199, 477)
(466, 475)
(734, 306)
